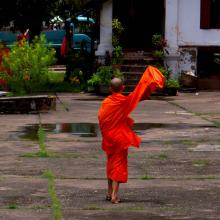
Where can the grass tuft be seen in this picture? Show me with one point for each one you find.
(146, 177)
(12, 206)
(200, 162)
(56, 205)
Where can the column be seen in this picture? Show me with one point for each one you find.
(105, 29)
(171, 35)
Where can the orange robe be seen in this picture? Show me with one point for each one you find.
(115, 123)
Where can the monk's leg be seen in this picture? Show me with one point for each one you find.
(109, 194)
(117, 172)
(115, 187)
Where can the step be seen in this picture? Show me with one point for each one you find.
(133, 67)
(129, 88)
(138, 58)
(131, 82)
(130, 76)
(144, 61)
(137, 53)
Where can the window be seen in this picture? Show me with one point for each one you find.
(210, 14)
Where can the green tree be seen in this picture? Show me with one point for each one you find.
(31, 13)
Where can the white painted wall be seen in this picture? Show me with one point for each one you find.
(183, 35)
(189, 32)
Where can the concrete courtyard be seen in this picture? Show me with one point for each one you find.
(175, 174)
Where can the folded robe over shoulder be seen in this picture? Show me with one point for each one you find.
(114, 122)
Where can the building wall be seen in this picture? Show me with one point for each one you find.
(184, 36)
(189, 32)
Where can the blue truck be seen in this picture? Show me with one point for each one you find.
(55, 37)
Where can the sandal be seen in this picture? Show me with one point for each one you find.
(108, 198)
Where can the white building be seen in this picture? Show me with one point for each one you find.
(191, 28)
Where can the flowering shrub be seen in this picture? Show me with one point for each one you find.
(28, 65)
(4, 51)
(158, 41)
(159, 44)
(74, 80)
(117, 29)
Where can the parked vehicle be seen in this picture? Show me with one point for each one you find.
(55, 37)
(81, 40)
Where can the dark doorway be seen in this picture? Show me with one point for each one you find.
(141, 19)
(207, 68)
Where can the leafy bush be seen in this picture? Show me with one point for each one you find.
(172, 83)
(117, 29)
(117, 55)
(158, 41)
(158, 54)
(117, 73)
(164, 71)
(76, 77)
(103, 76)
(217, 58)
(28, 65)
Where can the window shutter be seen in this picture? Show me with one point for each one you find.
(218, 12)
(205, 14)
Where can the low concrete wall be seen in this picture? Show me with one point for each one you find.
(27, 104)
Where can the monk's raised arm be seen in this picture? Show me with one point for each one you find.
(151, 79)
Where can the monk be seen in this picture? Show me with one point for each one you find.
(116, 126)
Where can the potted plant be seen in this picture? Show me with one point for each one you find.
(159, 44)
(101, 78)
(172, 86)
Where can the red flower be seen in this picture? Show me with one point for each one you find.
(26, 77)
(3, 82)
(163, 42)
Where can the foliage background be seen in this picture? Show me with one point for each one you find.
(31, 13)
(28, 65)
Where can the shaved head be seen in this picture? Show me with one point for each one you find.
(116, 85)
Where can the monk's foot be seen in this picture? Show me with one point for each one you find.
(115, 200)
